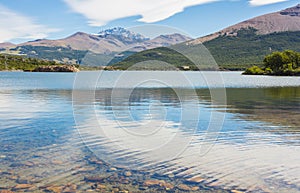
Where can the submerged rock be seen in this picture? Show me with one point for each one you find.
(124, 191)
(160, 183)
(29, 163)
(101, 186)
(95, 161)
(168, 186)
(195, 188)
(6, 191)
(94, 178)
(86, 169)
(184, 187)
(23, 181)
(13, 177)
(143, 188)
(112, 169)
(153, 182)
(236, 191)
(70, 188)
(57, 162)
(124, 181)
(127, 174)
(23, 186)
(196, 179)
(54, 189)
(171, 176)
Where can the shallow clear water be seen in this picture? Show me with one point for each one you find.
(171, 126)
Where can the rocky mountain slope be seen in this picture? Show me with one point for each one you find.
(111, 40)
(161, 41)
(281, 21)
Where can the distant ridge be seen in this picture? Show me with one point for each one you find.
(107, 41)
(6, 45)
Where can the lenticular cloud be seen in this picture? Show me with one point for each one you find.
(264, 2)
(100, 12)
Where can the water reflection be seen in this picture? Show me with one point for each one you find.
(155, 131)
(171, 146)
(280, 106)
(37, 129)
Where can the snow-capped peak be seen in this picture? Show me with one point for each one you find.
(122, 33)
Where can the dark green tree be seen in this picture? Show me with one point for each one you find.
(276, 61)
(279, 63)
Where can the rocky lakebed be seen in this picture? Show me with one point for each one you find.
(50, 172)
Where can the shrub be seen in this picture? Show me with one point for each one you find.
(254, 70)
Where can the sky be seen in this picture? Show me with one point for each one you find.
(24, 20)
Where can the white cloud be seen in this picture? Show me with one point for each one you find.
(100, 12)
(16, 26)
(264, 2)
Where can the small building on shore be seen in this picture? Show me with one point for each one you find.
(185, 68)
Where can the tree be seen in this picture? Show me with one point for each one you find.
(279, 63)
(294, 58)
(276, 61)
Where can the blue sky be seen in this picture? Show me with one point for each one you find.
(23, 20)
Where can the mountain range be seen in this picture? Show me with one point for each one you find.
(108, 42)
(235, 47)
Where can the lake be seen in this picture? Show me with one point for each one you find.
(149, 131)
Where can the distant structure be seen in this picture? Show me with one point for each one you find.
(185, 67)
(5, 62)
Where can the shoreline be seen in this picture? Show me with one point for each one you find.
(224, 71)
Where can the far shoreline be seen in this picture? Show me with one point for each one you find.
(101, 70)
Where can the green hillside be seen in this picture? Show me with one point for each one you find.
(64, 55)
(51, 53)
(162, 55)
(230, 52)
(247, 48)
(12, 62)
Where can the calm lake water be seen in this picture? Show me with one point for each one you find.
(149, 131)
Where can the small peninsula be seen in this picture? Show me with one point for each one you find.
(286, 63)
(22, 63)
(56, 68)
